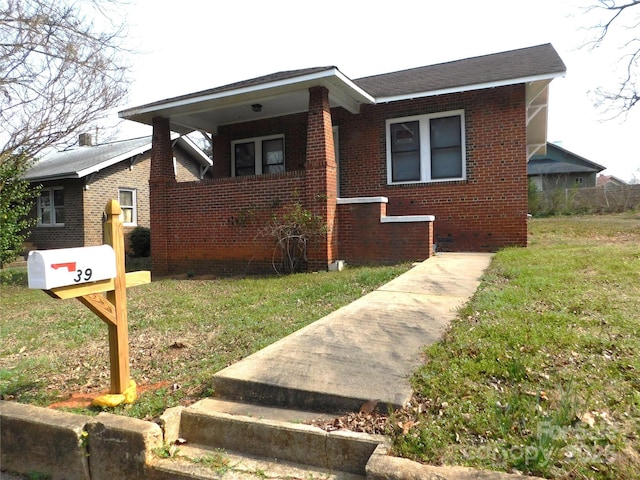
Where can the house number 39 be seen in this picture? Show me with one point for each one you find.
(83, 275)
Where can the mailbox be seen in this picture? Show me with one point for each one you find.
(49, 269)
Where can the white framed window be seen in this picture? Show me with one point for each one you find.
(257, 156)
(426, 148)
(127, 199)
(51, 207)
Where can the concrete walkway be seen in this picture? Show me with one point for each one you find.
(364, 351)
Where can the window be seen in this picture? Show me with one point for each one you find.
(127, 199)
(257, 156)
(426, 148)
(579, 180)
(51, 207)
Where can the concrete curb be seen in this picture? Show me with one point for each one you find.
(381, 466)
(36, 439)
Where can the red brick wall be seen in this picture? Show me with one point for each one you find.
(363, 239)
(294, 128)
(214, 226)
(321, 179)
(486, 211)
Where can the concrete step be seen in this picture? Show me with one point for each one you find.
(198, 462)
(230, 386)
(271, 435)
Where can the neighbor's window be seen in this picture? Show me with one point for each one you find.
(257, 156)
(579, 180)
(127, 199)
(51, 207)
(426, 148)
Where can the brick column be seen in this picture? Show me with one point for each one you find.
(321, 176)
(161, 179)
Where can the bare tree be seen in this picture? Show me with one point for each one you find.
(63, 64)
(624, 18)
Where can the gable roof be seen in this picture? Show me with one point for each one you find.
(287, 92)
(497, 69)
(609, 180)
(81, 161)
(187, 112)
(558, 161)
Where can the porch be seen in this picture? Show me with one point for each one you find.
(217, 226)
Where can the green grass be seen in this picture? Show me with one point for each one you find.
(180, 333)
(540, 373)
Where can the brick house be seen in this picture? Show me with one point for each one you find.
(77, 184)
(377, 158)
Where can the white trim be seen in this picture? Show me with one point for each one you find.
(408, 219)
(257, 141)
(467, 88)
(425, 147)
(195, 150)
(52, 207)
(112, 161)
(134, 207)
(253, 89)
(119, 158)
(335, 131)
(347, 201)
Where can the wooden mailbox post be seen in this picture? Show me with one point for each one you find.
(80, 273)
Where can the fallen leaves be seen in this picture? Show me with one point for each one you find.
(373, 423)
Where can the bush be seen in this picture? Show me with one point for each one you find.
(292, 232)
(140, 241)
(14, 276)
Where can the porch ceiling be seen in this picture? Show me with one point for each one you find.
(277, 95)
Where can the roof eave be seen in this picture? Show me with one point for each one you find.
(196, 151)
(50, 178)
(344, 90)
(466, 88)
(114, 160)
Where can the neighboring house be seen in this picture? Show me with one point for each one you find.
(561, 169)
(374, 157)
(609, 182)
(77, 184)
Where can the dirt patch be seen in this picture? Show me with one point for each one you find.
(83, 399)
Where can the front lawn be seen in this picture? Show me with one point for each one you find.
(541, 371)
(180, 333)
(539, 374)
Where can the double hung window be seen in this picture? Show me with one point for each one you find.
(258, 156)
(127, 199)
(426, 148)
(51, 207)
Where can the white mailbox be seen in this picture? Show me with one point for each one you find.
(49, 269)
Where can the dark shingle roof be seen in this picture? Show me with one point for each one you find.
(487, 69)
(71, 163)
(547, 166)
(252, 82)
(559, 160)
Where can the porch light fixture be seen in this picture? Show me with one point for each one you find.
(256, 107)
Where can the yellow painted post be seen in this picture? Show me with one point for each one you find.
(119, 330)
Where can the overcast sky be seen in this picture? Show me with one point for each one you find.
(193, 45)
